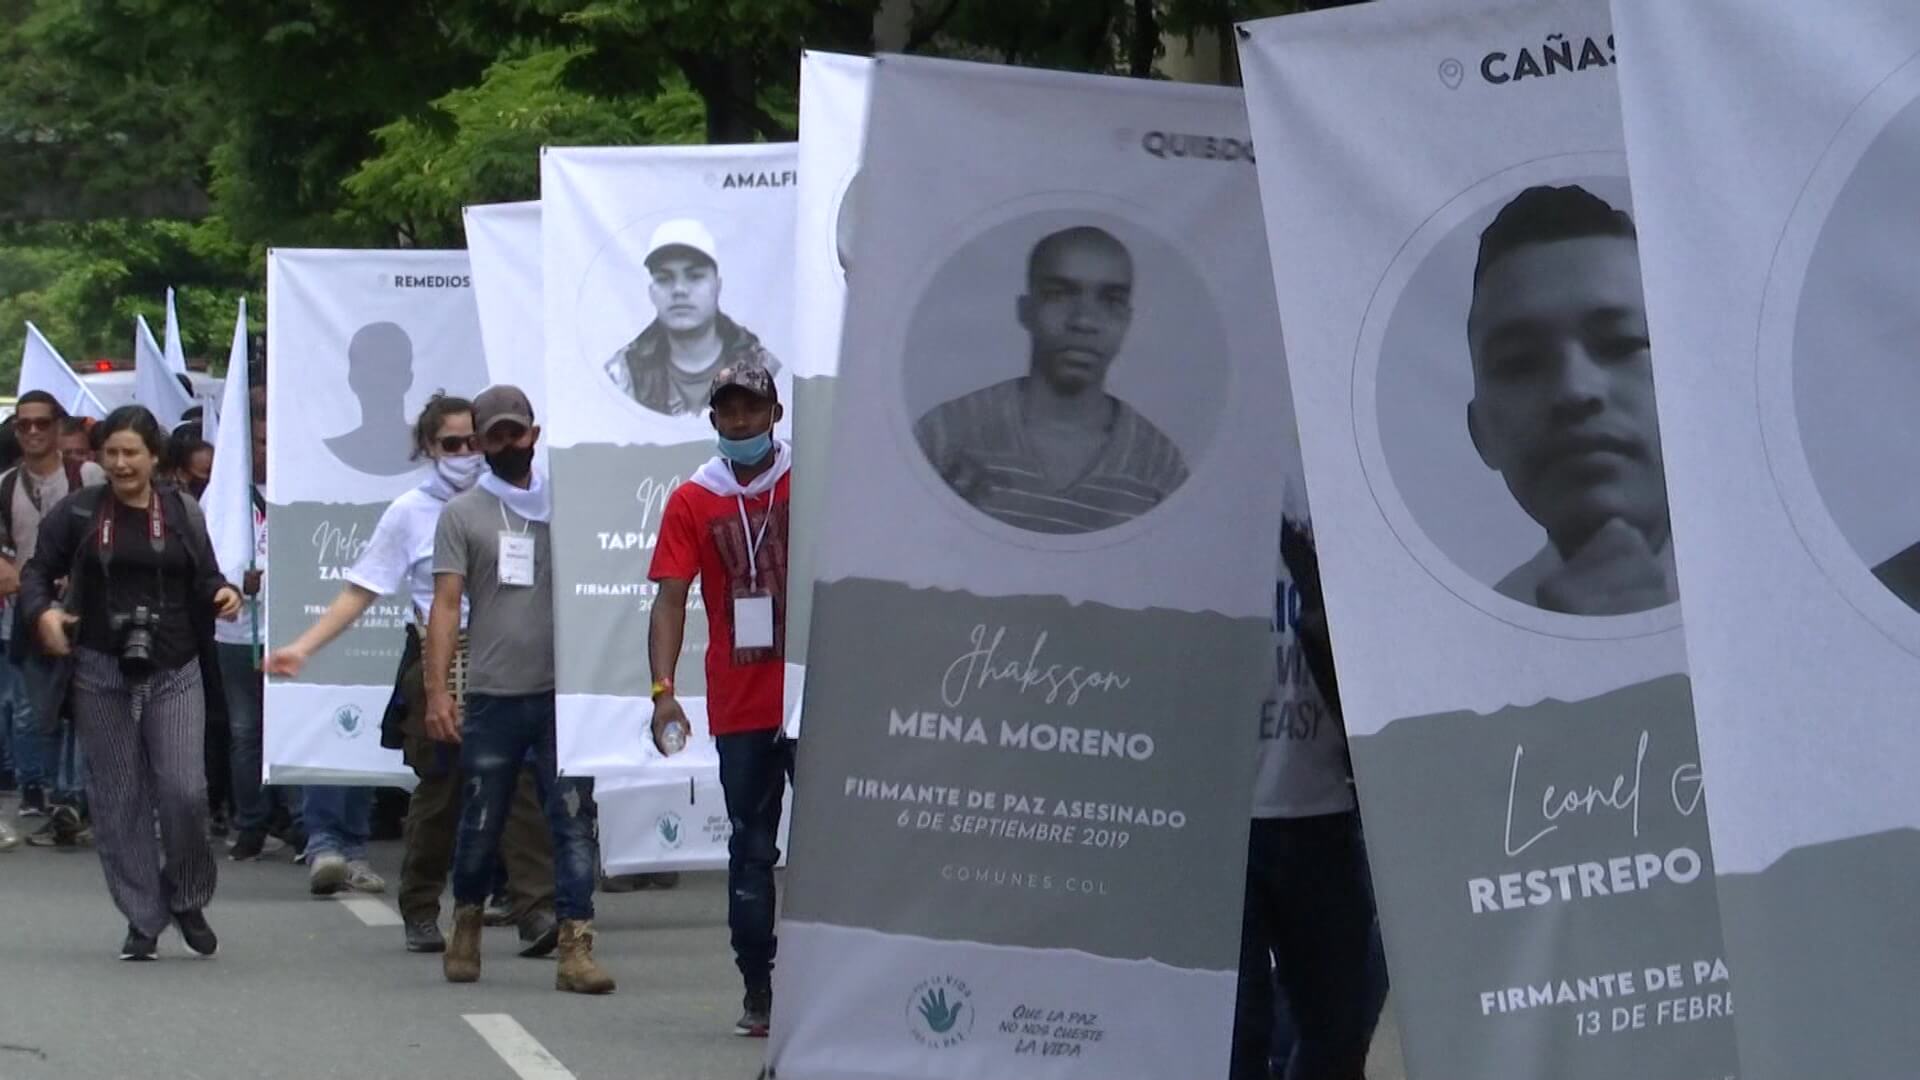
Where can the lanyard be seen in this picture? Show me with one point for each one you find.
(156, 526)
(508, 526)
(753, 542)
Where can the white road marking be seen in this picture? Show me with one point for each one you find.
(521, 1051)
(372, 912)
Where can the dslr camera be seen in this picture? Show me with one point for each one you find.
(135, 633)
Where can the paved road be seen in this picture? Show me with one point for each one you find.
(305, 989)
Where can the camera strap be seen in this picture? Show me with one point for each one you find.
(156, 527)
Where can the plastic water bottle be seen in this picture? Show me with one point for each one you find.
(673, 738)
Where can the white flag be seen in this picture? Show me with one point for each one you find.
(228, 500)
(176, 354)
(154, 384)
(42, 368)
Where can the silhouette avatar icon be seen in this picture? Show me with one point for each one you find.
(379, 372)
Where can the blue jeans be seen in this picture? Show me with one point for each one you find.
(497, 737)
(19, 729)
(240, 680)
(337, 820)
(61, 761)
(754, 769)
(1308, 926)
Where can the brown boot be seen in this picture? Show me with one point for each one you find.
(578, 973)
(462, 960)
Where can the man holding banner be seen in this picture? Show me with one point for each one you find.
(1563, 402)
(728, 525)
(670, 366)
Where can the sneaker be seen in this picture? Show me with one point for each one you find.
(670, 880)
(8, 838)
(138, 946)
(62, 829)
(250, 844)
(539, 934)
(33, 801)
(757, 1020)
(199, 936)
(499, 911)
(424, 936)
(328, 873)
(218, 827)
(362, 878)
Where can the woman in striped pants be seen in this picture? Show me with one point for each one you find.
(142, 583)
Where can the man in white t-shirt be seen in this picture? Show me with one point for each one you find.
(1309, 917)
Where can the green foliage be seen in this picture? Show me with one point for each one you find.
(482, 144)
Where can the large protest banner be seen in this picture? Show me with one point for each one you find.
(1781, 248)
(503, 246)
(357, 341)
(1458, 280)
(833, 127)
(626, 424)
(1040, 633)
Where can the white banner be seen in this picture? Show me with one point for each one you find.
(503, 244)
(622, 430)
(357, 342)
(1458, 276)
(228, 500)
(153, 383)
(1779, 205)
(833, 127)
(1045, 571)
(43, 368)
(174, 350)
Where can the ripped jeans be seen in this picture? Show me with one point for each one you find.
(497, 736)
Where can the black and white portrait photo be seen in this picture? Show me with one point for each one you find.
(1515, 402)
(1856, 362)
(670, 365)
(1058, 445)
(1563, 402)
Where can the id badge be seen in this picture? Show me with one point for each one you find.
(516, 560)
(753, 621)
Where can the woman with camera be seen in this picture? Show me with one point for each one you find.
(141, 584)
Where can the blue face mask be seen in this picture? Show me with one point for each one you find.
(747, 451)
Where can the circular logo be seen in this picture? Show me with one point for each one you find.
(670, 830)
(940, 1012)
(347, 722)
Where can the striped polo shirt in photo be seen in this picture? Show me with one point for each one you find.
(979, 446)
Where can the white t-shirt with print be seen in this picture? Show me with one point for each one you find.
(1303, 749)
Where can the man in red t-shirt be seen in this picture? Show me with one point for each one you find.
(728, 524)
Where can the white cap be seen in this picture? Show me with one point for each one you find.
(683, 233)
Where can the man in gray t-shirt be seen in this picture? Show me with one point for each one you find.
(493, 550)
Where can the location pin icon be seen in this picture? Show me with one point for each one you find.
(1452, 72)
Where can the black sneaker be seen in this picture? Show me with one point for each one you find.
(757, 1020)
(539, 934)
(33, 801)
(218, 825)
(499, 911)
(250, 844)
(62, 829)
(138, 946)
(424, 936)
(199, 936)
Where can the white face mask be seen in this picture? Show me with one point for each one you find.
(461, 471)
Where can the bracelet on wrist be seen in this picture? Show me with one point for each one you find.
(661, 686)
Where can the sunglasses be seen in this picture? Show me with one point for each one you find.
(34, 423)
(457, 444)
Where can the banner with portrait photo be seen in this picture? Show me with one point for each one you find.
(1040, 642)
(1782, 243)
(1457, 271)
(833, 127)
(644, 246)
(357, 342)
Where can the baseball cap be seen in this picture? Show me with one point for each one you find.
(683, 233)
(501, 404)
(752, 378)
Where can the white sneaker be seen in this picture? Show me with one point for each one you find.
(8, 838)
(328, 873)
(362, 878)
